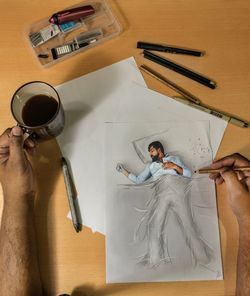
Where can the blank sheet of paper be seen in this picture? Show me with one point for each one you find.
(89, 101)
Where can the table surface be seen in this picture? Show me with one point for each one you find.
(76, 262)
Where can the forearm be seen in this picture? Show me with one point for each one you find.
(179, 170)
(19, 272)
(243, 263)
(143, 176)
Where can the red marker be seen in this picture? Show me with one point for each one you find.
(71, 14)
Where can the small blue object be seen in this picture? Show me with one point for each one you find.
(67, 26)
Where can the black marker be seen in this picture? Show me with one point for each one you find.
(169, 49)
(179, 69)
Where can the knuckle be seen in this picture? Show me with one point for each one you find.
(236, 155)
(227, 172)
(242, 159)
(6, 132)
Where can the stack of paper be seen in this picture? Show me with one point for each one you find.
(118, 94)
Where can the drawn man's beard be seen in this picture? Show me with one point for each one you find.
(155, 158)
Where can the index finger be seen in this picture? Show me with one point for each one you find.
(29, 144)
(234, 160)
(5, 138)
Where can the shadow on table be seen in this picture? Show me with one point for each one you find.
(87, 290)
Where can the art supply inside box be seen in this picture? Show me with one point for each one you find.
(72, 30)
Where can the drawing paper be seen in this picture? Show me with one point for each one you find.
(89, 101)
(113, 94)
(164, 229)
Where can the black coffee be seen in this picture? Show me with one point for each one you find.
(38, 110)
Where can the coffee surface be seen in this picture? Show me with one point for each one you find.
(38, 110)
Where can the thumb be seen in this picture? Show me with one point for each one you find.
(234, 186)
(16, 144)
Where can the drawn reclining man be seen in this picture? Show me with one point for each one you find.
(170, 196)
(162, 164)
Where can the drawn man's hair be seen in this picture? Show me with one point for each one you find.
(156, 145)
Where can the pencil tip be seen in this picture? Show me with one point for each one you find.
(63, 161)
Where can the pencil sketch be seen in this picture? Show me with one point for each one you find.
(161, 219)
(169, 180)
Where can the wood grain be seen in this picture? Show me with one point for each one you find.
(76, 262)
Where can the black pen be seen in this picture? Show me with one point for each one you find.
(71, 195)
(169, 49)
(179, 69)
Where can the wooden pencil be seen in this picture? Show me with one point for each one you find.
(209, 171)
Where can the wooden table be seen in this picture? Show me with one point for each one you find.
(71, 261)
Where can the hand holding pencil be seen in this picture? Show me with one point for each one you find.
(237, 182)
(213, 171)
(234, 162)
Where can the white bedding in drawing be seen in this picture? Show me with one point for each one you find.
(170, 195)
(166, 227)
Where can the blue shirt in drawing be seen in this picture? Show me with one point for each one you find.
(155, 170)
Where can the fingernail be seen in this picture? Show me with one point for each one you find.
(17, 131)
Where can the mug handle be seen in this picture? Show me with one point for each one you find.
(28, 133)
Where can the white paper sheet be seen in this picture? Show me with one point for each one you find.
(89, 101)
(186, 246)
(145, 105)
(113, 94)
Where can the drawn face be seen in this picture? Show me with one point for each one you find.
(154, 154)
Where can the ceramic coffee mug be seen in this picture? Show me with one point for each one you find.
(37, 108)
